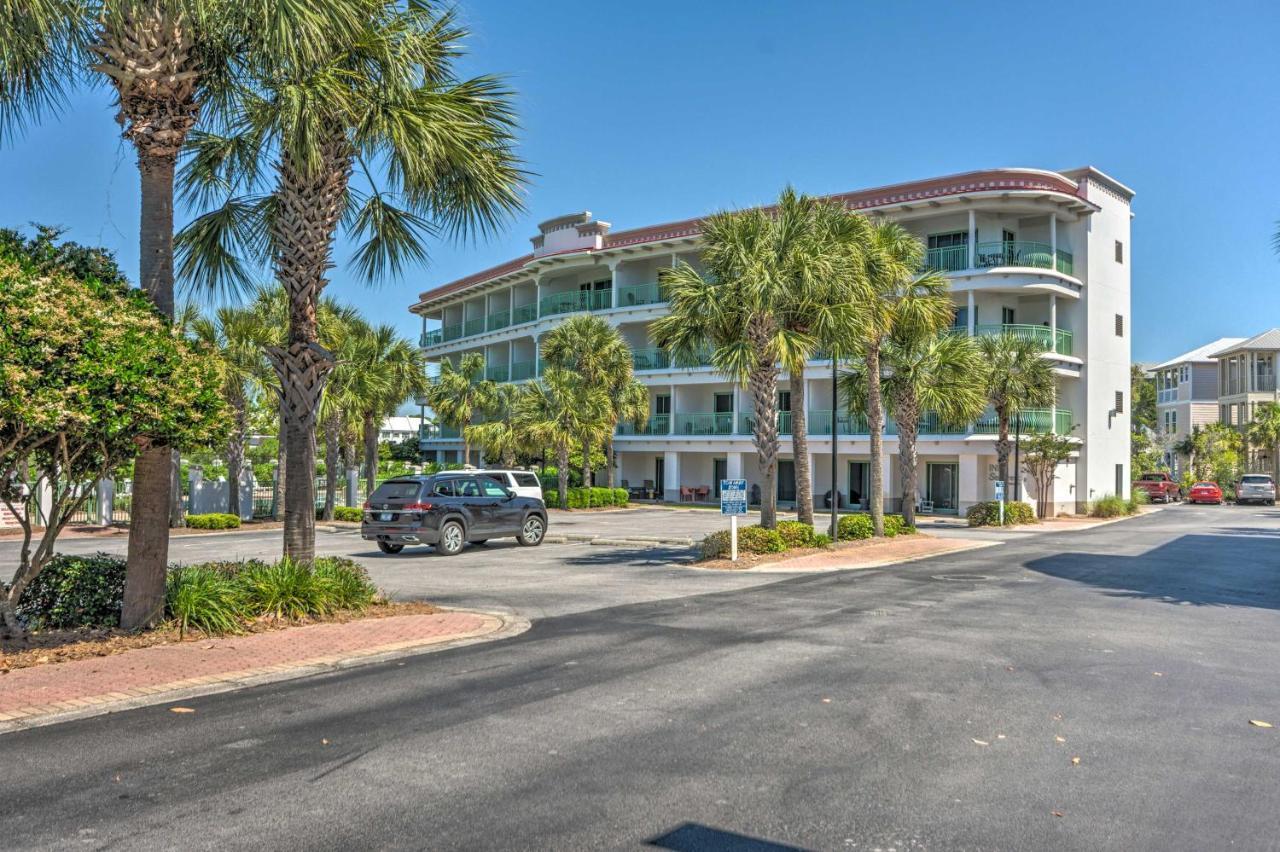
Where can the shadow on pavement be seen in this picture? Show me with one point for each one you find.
(695, 837)
(1232, 567)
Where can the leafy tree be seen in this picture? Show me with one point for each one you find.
(1216, 451)
(396, 371)
(92, 375)
(165, 61)
(942, 374)
(461, 393)
(1142, 393)
(377, 135)
(1018, 378)
(1264, 431)
(557, 411)
(1041, 455)
(499, 436)
(589, 346)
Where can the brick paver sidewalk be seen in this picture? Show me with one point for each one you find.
(83, 684)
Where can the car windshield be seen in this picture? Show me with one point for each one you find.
(1152, 477)
(1255, 480)
(395, 490)
(1204, 485)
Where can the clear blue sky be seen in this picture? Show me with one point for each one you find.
(644, 113)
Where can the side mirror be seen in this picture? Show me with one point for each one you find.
(511, 495)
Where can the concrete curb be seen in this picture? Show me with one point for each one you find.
(114, 702)
(779, 567)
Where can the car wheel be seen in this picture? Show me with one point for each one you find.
(387, 547)
(451, 539)
(532, 532)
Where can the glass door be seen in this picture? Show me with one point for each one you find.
(659, 477)
(942, 483)
(786, 481)
(859, 484)
(719, 471)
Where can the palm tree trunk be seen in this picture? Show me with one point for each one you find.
(609, 462)
(235, 451)
(800, 447)
(148, 552)
(908, 429)
(331, 464)
(466, 443)
(370, 451)
(586, 464)
(875, 425)
(562, 474)
(763, 385)
(1002, 445)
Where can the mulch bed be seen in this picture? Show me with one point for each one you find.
(59, 646)
(751, 560)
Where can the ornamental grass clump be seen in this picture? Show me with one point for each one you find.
(287, 589)
(207, 599)
(345, 582)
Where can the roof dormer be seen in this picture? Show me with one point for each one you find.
(574, 232)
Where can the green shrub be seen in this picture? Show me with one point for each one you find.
(1111, 506)
(753, 539)
(350, 514)
(897, 525)
(75, 591)
(588, 498)
(795, 534)
(213, 521)
(820, 540)
(345, 581)
(206, 598)
(286, 589)
(854, 527)
(987, 514)
(715, 545)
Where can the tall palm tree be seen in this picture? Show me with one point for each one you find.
(380, 136)
(589, 346)
(499, 435)
(164, 60)
(1264, 431)
(896, 297)
(459, 394)
(395, 370)
(557, 411)
(233, 333)
(753, 307)
(940, 374)
(344, 396)
(1018, 378)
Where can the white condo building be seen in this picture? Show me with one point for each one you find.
(1037, 253)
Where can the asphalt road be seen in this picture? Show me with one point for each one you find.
(933, 705)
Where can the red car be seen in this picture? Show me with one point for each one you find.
(1205, 492)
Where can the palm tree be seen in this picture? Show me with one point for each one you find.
(557, 411)
(588, 346)
(459, 394)
(941, 374)
(499, 436)
(1018, 377)
(896, 298)
(233, 333)
(380, 136)
(754, 306)
(344, 396)
(395, 370)
(1264, 431)
(164, 59)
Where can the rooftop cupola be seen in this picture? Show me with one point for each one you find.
(574, 232)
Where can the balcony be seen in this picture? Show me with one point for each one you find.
(451, 332)
(473, 326)
(436, 432)
(704, 423)
(1035, 421)
(640, 294)
(524, 313)
(431, 338)
(658, 424)
(573, 302)
(1041, 334)
(521, 370)
(1003, 253)
(497, 320)
(496, 373)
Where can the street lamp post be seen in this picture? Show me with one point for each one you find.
(1017, 455)
(835, 492)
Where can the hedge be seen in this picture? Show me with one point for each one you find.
(1111, 506)
(348, 513)
(855, 527)
(796, 534)
(584, 498)
(75, 591)
(988, 514)
(213, 521)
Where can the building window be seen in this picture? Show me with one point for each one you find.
(1119, 252)
(1119, 325)
(1007, 316)
(1119, 402)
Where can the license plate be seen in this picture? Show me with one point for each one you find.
(385, 516)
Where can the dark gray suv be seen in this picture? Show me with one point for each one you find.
(447, 510)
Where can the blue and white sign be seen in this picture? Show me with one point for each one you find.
(733, 496)
(1000, 489)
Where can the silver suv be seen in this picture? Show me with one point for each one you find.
(1256, 488)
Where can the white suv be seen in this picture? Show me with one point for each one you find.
(522, 482)
(1256, 488)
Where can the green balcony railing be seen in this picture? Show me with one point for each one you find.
(948, 259)
(1035, 421)
(521, 370)
(931, 424)
(1063, 421)
(497, 320)
(473, 326)
(497, 372)
(524, 313)
(1040, 334)
(580, 300)
(650, 359)
(658, 424)
(1066, 263)
(431, 338)
(704, 423)
(1065, 342)
(1021, 253)
(640, 294)
(451, 332)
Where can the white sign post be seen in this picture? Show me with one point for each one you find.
(733, 502)
(1000, 498)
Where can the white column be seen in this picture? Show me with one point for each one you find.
(1053, 240)
(733, 466)
(973, 237)
(671, 414)
(511, 350)
(735, 414)
(613, 281)
(972, 308)
(813, 480)
(671, 476)
(537, 297)
(969, 482)
(886, 480)
(1053, 321)
(106, 499)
